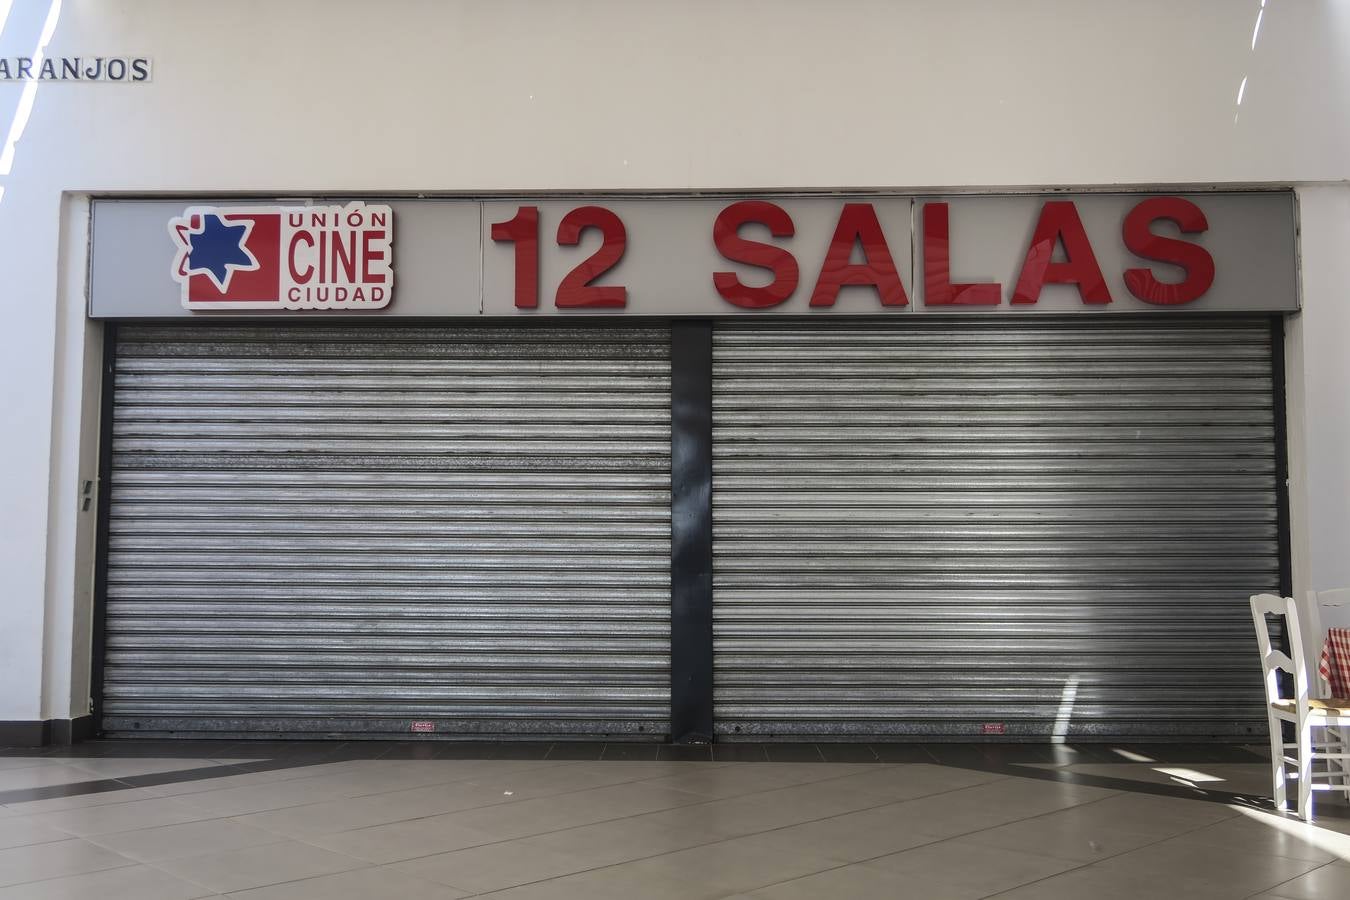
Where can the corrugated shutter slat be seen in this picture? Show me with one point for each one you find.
(338, 530)
(1049, 526)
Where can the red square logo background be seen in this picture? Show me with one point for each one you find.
(260, 284)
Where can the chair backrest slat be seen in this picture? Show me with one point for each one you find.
(1277, 660)
(1274, 660)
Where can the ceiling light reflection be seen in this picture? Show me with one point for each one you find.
(29, 90)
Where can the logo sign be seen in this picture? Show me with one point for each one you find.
(284, 257)
(422, 727)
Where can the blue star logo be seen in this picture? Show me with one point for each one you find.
(218, 249)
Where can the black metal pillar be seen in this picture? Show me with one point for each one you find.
(691, 633)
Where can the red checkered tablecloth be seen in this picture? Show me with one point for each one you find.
(1334, 667)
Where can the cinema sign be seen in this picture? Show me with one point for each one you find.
(879, 255)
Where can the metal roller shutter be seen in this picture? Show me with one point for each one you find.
(1030, 528)
(345, 530)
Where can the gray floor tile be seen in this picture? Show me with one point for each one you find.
(384, 776)
(1162, 816)
(360, 884)
(403, 840)
(84, 801)
(20, 831)
(333, 816)
(731, 866)
(1217, 868)
(1270, 835)
(1095, 883)
(42, 776)
(515, 820)
(127, 883)
(967, 867)
(1328, 882)
(739, 779)
(860, 882)
(888, 782)
(805, 772)
(493, 867)
(1081, 834)
(848, 838)
(190, 839)
(623, 840)
(606, 884)
(641, 769)
(25, 762)
(755, 812)
(993, 804)
(547, 782)
(252, 867)
(226, 782)
(54, 860)
(239, 801)
(122, 817)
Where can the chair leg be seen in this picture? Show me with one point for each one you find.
(1277, 768)
(1305, 754)
(1338, 739)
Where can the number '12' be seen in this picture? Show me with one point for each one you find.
(577, 290)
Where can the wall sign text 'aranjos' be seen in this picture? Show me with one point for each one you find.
(131, 69)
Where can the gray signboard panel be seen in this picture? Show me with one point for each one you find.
(446, 263)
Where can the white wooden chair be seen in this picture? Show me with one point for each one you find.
(1303, 711)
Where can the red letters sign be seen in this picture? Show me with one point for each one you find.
(861, 254)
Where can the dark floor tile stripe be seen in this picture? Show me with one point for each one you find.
(685, 753)
(576, 750)
(739, 753)
(151, 779)
(793, 753)
(848, 753)
(903, 753)
(646, 752)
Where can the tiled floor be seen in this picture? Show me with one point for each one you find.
(292, 821)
